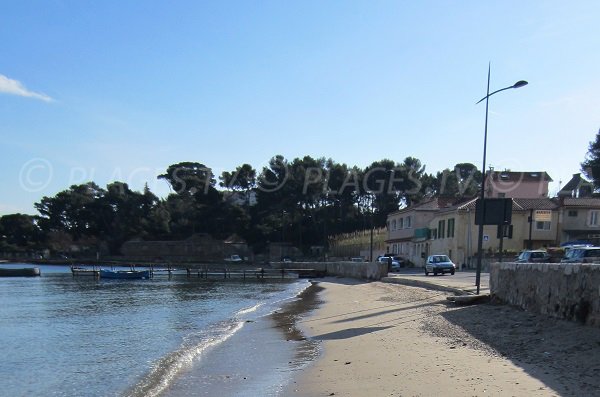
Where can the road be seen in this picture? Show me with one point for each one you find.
(463, 280)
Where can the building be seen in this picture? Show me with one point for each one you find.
(580, 212)
(580, 219)
(509, 184)
(454, 233)
(409, 229)
(444, 225)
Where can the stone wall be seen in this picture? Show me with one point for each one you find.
(569, 291)
(359, 270)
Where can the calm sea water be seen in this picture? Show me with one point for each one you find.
(66, 336)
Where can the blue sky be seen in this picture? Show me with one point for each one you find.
(119, 90)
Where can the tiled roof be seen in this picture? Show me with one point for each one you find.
(535, 204)
(575, 183)
(518, 204)
(590, 202)
(432, 204)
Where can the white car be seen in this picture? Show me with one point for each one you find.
(439, 264)
(395, 265)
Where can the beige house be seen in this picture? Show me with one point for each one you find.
(580, 212)
(454, 233)
(580, 219)
(510, 184)
(443, 226)
(409, 231)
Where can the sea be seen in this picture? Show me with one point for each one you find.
(166, 336)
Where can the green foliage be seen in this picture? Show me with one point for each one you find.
(20, 231)
(591, 165)
(463, 181)
(301, 202)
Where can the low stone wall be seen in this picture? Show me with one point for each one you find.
(359, 270)
(569, 291)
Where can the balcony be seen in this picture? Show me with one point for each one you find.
(422, 234)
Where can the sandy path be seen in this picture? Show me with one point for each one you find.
(390, 340)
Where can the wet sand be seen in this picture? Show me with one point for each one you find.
(381, 339)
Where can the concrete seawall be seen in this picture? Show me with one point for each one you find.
(568, 291)
(358, 270)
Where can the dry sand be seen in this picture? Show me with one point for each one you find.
(383, 339)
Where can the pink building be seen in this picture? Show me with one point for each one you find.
(511, 184)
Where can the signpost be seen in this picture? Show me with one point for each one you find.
(542, 216)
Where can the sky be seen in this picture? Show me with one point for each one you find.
(119, 90)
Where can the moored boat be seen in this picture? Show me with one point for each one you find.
(125, 274)
(82, 271)
(23, 272)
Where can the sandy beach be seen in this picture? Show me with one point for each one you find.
(381, 339)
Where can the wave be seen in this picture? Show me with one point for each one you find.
(250, 309)
(169, 367)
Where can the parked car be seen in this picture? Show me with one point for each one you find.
(582, 255)
(533, 256)
(233, 258)
(439, 264)
(394, 265)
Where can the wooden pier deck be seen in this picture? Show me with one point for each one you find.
(213, 272)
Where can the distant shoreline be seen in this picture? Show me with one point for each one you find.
(131, 262)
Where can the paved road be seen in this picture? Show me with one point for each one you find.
(463, 280)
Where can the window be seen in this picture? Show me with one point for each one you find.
(401, 223)
(592, 253)
(434, 234)
(593, 218)
(441, 228)
(394, 224)
(408, 222)
(451, 228)
(542, 225)
(572, 213)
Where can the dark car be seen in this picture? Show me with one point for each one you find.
(533, 256)
(439, 264)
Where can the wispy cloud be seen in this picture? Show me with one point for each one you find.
(14, 87)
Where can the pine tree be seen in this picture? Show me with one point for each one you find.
(591, 165)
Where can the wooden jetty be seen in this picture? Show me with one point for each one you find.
(212, 272)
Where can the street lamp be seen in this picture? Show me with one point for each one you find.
(518, 84)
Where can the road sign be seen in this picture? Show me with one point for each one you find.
(498, 211)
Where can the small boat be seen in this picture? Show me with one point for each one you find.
(125, 274)
(83, 271)
(24, 272)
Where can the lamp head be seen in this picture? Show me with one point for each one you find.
(519, 84)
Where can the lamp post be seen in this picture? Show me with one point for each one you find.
(518, 84)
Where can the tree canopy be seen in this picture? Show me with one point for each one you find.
(591, 165)
(300, 201)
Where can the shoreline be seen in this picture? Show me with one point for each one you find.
(384, 339)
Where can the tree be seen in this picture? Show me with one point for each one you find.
(463, 181)
(242, 179)
(591, 165)
(189, 178)
(20, 230)
(73, 210)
